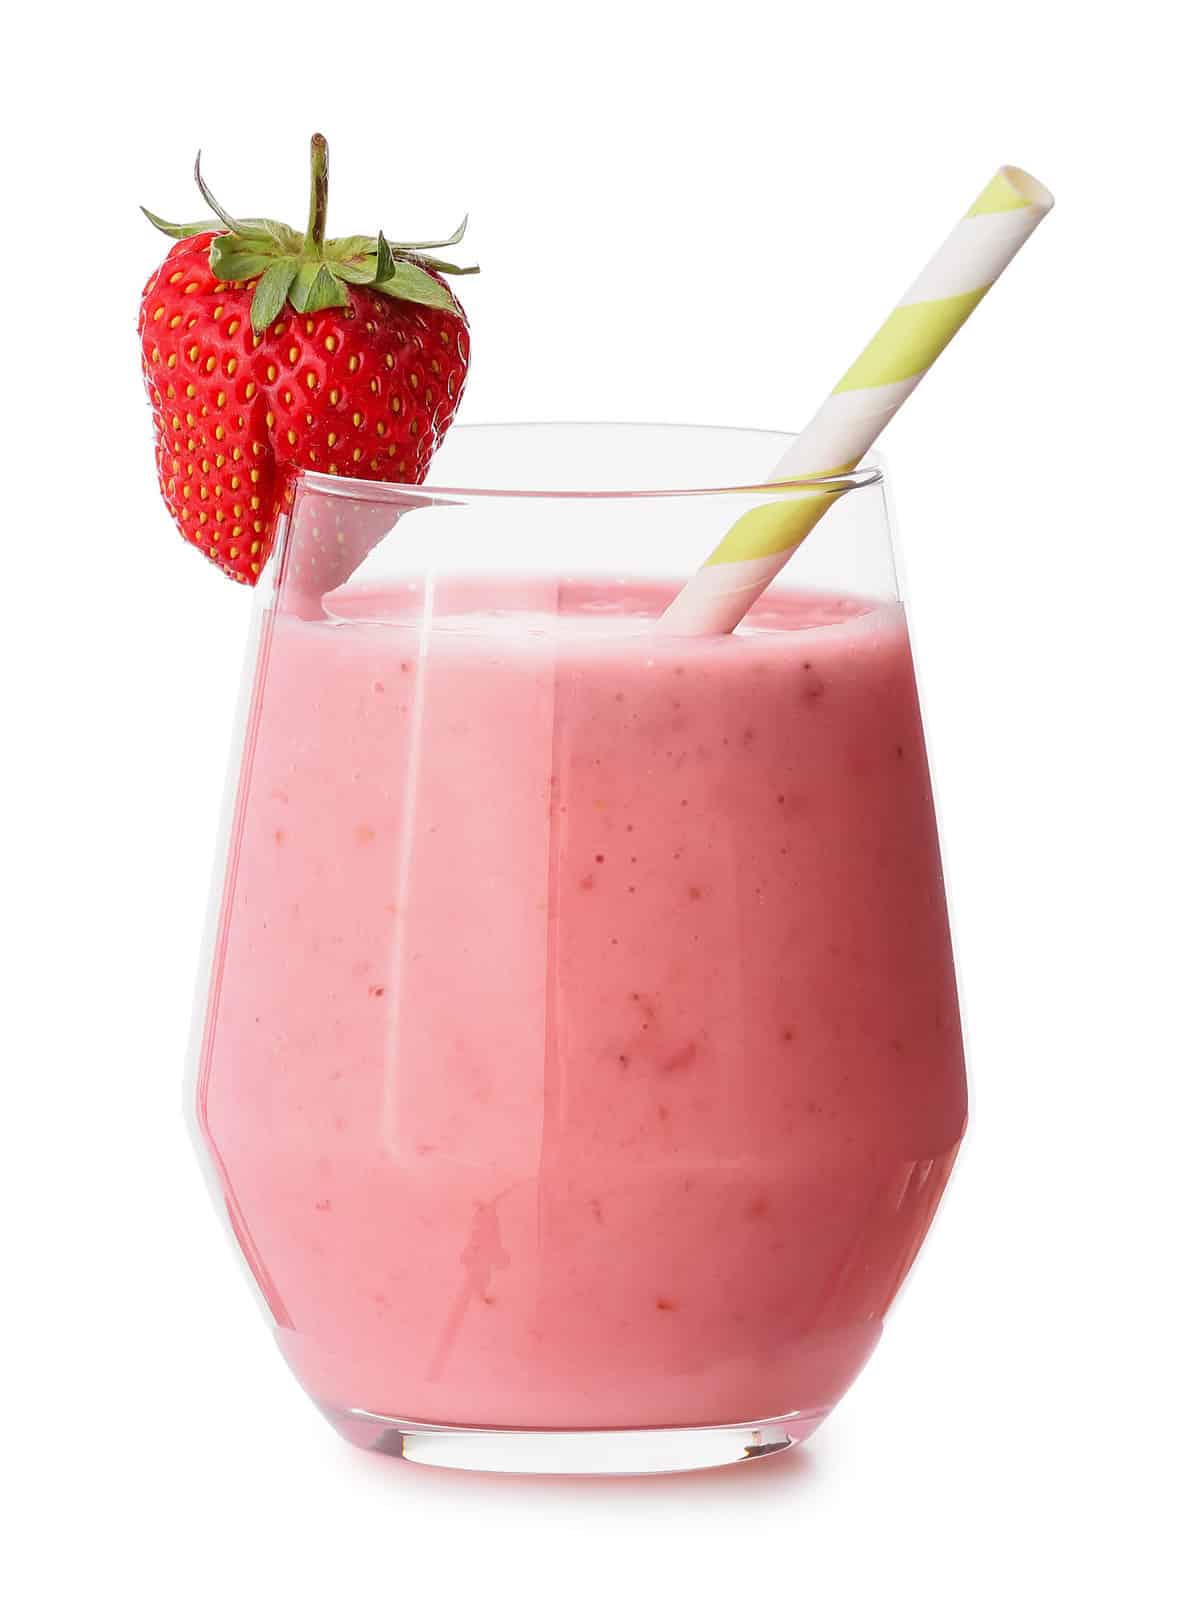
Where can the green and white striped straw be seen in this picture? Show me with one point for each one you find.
(944, 295)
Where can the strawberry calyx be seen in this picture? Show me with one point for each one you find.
(308, 270)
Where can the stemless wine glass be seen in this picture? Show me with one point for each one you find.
(581, 1066)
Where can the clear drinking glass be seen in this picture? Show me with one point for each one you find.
(581, 1066)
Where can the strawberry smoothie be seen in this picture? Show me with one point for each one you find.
(583, 1048)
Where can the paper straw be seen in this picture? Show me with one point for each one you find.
(944, 295)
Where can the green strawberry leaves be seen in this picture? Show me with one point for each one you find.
(314, 288)
(288, 240)
(434, 264)
(271, 293)
(353, 259)
(385, 261)
(176, 230)
(246, 230)
(233, 257)
(438, 244)
(307, 270)
(188, 230)
(394, 269)
(409, 282)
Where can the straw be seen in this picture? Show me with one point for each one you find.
(944, 295)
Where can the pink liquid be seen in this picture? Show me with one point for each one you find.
(583, 1048)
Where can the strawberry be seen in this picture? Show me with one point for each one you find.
(267, 353)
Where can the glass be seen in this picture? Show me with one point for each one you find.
(582, 1065)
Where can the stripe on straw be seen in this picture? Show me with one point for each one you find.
(911, 340)
(769, 529)
(1001, 194)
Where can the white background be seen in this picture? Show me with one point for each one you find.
(691, 213)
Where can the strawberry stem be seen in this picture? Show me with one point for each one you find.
(318, 202)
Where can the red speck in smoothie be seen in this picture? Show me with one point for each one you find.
(375, 991)
(600, 860)
(666, 1305)
(788, 1036)
(695, 893)
(646, 1007)
(597, 1211)
(364, 833)
(682, 1058)
(758, 1207)
(587, 883)
(279, 835)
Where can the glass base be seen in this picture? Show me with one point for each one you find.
(601, 1452)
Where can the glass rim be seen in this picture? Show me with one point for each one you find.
(867, 474)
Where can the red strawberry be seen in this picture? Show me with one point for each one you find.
(266, 353)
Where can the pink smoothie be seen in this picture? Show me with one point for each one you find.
(583, 1048)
